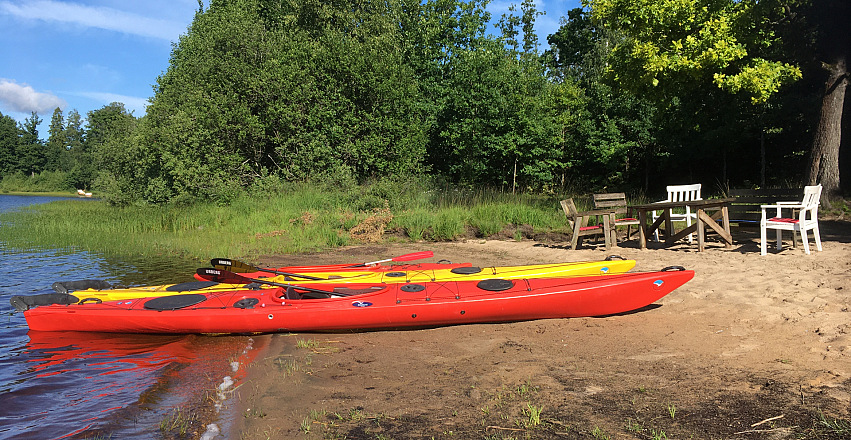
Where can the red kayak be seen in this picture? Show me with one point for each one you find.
(324, 307)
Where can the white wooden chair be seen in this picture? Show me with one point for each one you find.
(680, 193)
(804, 220)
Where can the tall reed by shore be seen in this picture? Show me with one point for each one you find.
(294, 219)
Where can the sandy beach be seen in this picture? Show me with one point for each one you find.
(753, 347)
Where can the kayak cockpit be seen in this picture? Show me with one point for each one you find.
(300, 292)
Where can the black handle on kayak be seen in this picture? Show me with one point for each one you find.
(239, 266)
(670, 268)
(228, 277)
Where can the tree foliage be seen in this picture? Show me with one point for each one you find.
(31, 155)
(8, 145)
(723, 92)
(673, 44)
(615, 132)
(299, 88)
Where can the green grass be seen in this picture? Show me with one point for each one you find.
(839, 427)
(179, 422)
(295, 219)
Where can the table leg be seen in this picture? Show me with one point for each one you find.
(701, 233)
(642, 229)
(669, 226)
(607, 229)
(712, 223)
(725, 221)
(613, 225)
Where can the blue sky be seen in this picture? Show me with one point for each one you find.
(85, 54)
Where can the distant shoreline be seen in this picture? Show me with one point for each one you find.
(41, 194)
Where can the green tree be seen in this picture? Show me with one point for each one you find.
(698, 61)
(56, 142)
(578, 50)
(507, 25)
(77, 160)
(530, 15)
(300, 89)
(107, 124)
(108, 138)
(9, 134)
(832, 49)
(31, 154)
(614, 133)
(498, 120)
(673, 45)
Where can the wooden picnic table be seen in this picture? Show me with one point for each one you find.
(718, 207)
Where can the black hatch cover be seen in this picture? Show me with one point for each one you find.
(495, 284)
(470, 270)
(175, 302)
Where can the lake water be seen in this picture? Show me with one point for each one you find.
(90, 385)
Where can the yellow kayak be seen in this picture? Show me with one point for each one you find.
(555, 270)
(552, 270)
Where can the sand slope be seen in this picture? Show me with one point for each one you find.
(750, 338)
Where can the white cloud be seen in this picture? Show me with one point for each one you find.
(131, 103)
(95, 17)
(24, 99)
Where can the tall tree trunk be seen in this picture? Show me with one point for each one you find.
(824, 158)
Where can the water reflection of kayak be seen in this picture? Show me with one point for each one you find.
(75, 384)
(57, 352)
(324, 307)
(99, 381)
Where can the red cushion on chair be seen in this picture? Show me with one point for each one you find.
(588, 228)
(783, 220)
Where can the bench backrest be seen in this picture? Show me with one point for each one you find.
(746, 207)
(569, 209)
(611, 200)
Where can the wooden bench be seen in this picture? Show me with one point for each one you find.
(746, 211)
(617, 203)
(579, 224)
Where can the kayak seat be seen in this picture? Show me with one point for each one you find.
(291, 293)
(314, 295)
(350, 291)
